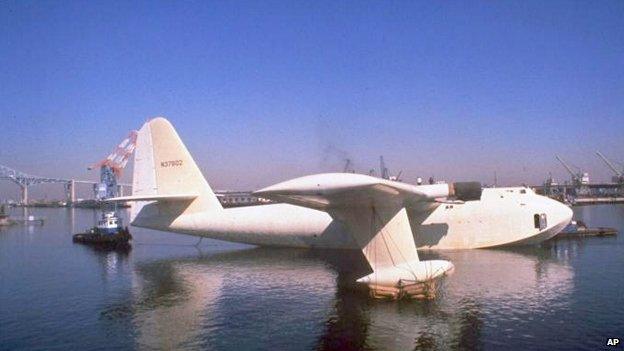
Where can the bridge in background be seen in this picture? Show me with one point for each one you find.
(25, 180)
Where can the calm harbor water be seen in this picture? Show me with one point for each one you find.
(168, 294)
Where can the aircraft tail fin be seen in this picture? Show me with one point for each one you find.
(163, 168)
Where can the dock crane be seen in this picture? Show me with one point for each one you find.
(111, 168)
(385, 173)
(580, 178)
(619, 175)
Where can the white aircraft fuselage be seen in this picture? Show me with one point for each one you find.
(503, 216)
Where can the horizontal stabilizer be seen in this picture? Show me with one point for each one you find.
(175, 197)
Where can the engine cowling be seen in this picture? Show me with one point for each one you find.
(465, 191)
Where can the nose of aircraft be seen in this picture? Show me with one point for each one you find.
(559, 214)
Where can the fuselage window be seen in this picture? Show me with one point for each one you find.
(536, 220)
(539, 221)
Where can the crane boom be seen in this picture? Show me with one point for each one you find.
(609, 164)
(566, 166)
(112, 166)
(118, 158)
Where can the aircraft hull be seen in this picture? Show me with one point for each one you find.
(491, 222)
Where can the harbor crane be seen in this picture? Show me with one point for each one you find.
(580, 178)
(111, 168)
(619, 175)
(385, 173)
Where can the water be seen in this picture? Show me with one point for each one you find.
(167, 294)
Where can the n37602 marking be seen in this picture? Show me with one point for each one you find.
(174, 163)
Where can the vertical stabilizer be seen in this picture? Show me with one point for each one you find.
(163, 166)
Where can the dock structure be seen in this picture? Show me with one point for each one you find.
(591, 232)
(28, 220)
(579, 190)
(599, 200)
(597, 193)
(578, 229)
(6, 220)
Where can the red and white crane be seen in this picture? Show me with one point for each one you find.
(112, 166)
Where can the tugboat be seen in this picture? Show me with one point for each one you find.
(109, 233)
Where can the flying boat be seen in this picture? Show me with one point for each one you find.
(387, 220)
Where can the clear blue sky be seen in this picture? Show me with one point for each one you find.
(265, 91)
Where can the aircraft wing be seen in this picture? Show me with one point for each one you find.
(174, 197)
(334, 190)
(374, 212)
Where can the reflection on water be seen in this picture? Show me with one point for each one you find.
(167, 294)
(267, 297)
(239, 299)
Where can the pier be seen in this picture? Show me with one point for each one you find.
(579, 190)
(583, 194)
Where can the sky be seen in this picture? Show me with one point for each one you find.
(265, 91)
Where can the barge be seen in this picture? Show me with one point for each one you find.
(578, 229)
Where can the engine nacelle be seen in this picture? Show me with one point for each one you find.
(465, 191)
